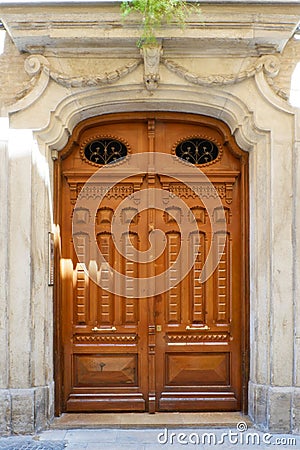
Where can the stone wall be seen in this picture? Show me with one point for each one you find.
(13, 78)
(26, 341)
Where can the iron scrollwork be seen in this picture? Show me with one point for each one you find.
(105, 151)
(197, 151)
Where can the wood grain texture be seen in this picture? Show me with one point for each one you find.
(181, 350)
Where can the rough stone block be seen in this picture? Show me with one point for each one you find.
(280, 403)
(258, 401)
(40, 408)
(51, 401)
(296, 411)
(5, 412)
(22, 411)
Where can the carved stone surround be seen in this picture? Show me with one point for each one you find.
(39, 68)
(53, 31)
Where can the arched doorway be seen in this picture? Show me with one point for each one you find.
(185, 349)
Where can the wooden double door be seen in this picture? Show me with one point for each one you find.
(184, 349)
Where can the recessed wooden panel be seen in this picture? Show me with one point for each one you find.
(222, 278)
(197, 369)
(81, 215)
(81, 240)
(105, 370)
(105, 299)
(197, 249)
(199, 214)
(173, 214)
(82, 292)
(173, 303)
(130, 269)
(104, 215)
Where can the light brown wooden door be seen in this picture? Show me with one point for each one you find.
(181, 350)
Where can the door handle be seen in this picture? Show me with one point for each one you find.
(202, 327)
(104, 329)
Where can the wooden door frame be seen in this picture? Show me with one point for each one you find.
(245, 303)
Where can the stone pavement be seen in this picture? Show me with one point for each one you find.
(152, 439)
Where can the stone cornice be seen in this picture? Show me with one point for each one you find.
(56, 28)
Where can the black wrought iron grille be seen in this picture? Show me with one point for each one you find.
(105, 151)
(197, 151)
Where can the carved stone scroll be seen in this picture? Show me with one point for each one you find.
(38, 67)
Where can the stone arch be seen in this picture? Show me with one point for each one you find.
(227, 105)
(212, 102)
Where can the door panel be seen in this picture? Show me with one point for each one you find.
(181, 350)
(198, 317)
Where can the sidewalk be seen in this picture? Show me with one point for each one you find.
(152, 439)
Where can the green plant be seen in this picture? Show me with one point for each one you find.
(157, 12)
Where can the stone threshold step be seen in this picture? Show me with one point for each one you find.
(146, 420)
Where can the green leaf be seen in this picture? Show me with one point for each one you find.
(155, 13)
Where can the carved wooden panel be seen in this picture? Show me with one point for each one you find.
(199, 213)
(172, 214)
(105, 299)
(202, 369)
(106, 339)
(129, 215)
(81, 215)
(104, 215)
(81, 295)
(198, 338)
(197, 244)
(105, 370)
(222, 281)
(83, 245)
(130, 269)
(173, 296)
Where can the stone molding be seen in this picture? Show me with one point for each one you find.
(56, 27)
(268, 64)
(189, 99)
(98, 80)
(36, 66)
(39, 68)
